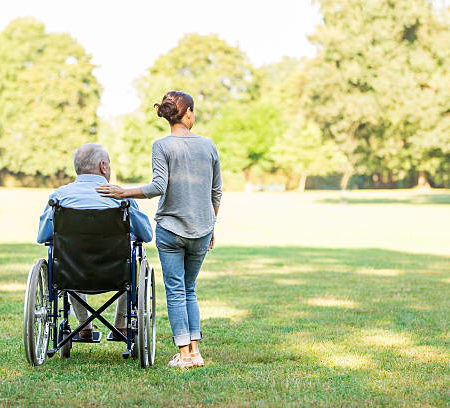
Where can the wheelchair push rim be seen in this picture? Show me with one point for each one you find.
(146, 316)
(36, 321)
(152, 305)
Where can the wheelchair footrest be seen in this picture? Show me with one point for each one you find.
(96, 337)
(111, 337)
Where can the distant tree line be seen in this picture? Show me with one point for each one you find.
(372, 109)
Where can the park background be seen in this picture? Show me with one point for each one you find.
(329, 283)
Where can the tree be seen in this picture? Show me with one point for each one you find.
(302, 151)
(48, 99)
(245, 134)
(217, 76)
(281, 84)
(378, 85)
(206, 67)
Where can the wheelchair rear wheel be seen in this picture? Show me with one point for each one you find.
(146, 338)
(36, 322)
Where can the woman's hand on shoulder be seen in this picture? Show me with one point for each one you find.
(111, 190)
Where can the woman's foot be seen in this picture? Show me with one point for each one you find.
(180, 362)
(197, 359)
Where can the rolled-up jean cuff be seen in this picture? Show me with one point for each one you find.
(196, 335)
(182, 340)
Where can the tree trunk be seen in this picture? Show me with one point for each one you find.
(302, 183)
(391, 179)
(248, 184)
(345, 179)
(377, 180)
(422, 182)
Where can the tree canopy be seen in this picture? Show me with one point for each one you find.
(379, 85)
(374, 100)
(48, 99)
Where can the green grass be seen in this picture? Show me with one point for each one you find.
(283, 326)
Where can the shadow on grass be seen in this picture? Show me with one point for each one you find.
(313, 325)
(413, 199)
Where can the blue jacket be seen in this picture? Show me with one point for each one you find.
(82, 195)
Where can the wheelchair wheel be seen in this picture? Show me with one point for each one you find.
(146, 336)
(36, 322)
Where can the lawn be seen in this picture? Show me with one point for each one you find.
(357, 317)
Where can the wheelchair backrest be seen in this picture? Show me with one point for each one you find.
(91, 249)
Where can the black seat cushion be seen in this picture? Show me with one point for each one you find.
(91, 250)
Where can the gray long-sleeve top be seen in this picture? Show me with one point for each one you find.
(186, 174)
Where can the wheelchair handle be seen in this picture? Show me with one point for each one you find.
(52, 202)
(125, 204)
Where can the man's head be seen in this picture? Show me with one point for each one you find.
(92, 158)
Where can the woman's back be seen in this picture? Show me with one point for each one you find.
(186, 172)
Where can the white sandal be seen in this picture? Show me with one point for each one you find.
(197, 359)
(179, 362)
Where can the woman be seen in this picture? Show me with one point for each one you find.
(186, 174)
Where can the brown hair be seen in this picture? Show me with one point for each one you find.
(174, 105)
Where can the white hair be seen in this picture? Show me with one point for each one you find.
(87, 158)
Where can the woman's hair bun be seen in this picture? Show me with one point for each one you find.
(174, 105)
(167, 109)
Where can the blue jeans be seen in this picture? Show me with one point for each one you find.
(181, 259)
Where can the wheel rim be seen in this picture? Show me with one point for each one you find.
(153, 317)
(148, 317)
(143, 349)
(36, 314)
(41, 322)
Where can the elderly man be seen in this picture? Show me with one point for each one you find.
(91, 163)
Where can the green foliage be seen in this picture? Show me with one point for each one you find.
(375, 100)
(245, 134)
(302, 150)
(281, 84)
(48, 99)
(379, 85)
(213, 72)
(207, 68)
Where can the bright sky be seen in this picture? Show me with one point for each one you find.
(125, 37)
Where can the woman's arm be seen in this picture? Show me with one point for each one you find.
(114, 191)
(156, 188)
(213, 241)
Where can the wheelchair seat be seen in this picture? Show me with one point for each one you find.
(92, 251)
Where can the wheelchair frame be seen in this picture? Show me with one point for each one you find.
(141, 310)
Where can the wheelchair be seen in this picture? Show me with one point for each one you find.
(91, 252)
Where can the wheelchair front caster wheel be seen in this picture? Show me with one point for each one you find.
(134, 351)
(126, 355)
(65, 350)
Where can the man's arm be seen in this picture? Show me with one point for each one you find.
(45, 232)
(140, 224)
